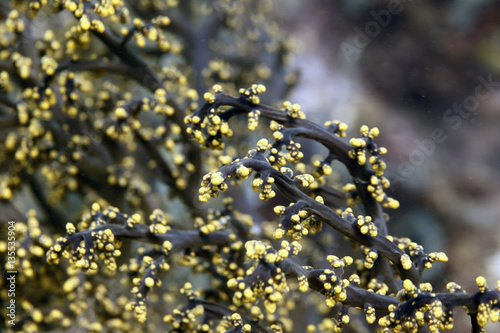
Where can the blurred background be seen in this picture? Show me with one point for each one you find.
(428, 75)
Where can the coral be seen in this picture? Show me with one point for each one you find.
(107, 121)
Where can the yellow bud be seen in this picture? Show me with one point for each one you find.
(209, 97)
(149, 281)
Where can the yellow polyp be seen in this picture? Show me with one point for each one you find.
(437, 311)
(278, 234)
(494, 315)
(262, 144)
(407, 285)
(392, 203)
(216, 120)
(232, 283)
(361, 158)
(195, 119)
(149, 282)
(481, 283)
(121, 113)
(216, 88)
(384, 321)
(278, 135)
(209, 97)
(406, 261)
(330, 302)
(359, 143)
(441, 256)
(72, 6)
(70, 228)
(248, 293)
(216, 178)
(96, 207)
(260, 248)
(84, 23)
(355, 142)
(482, 319)
(374, 132)
(242, 172)
(260, 89)
(254, 99)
